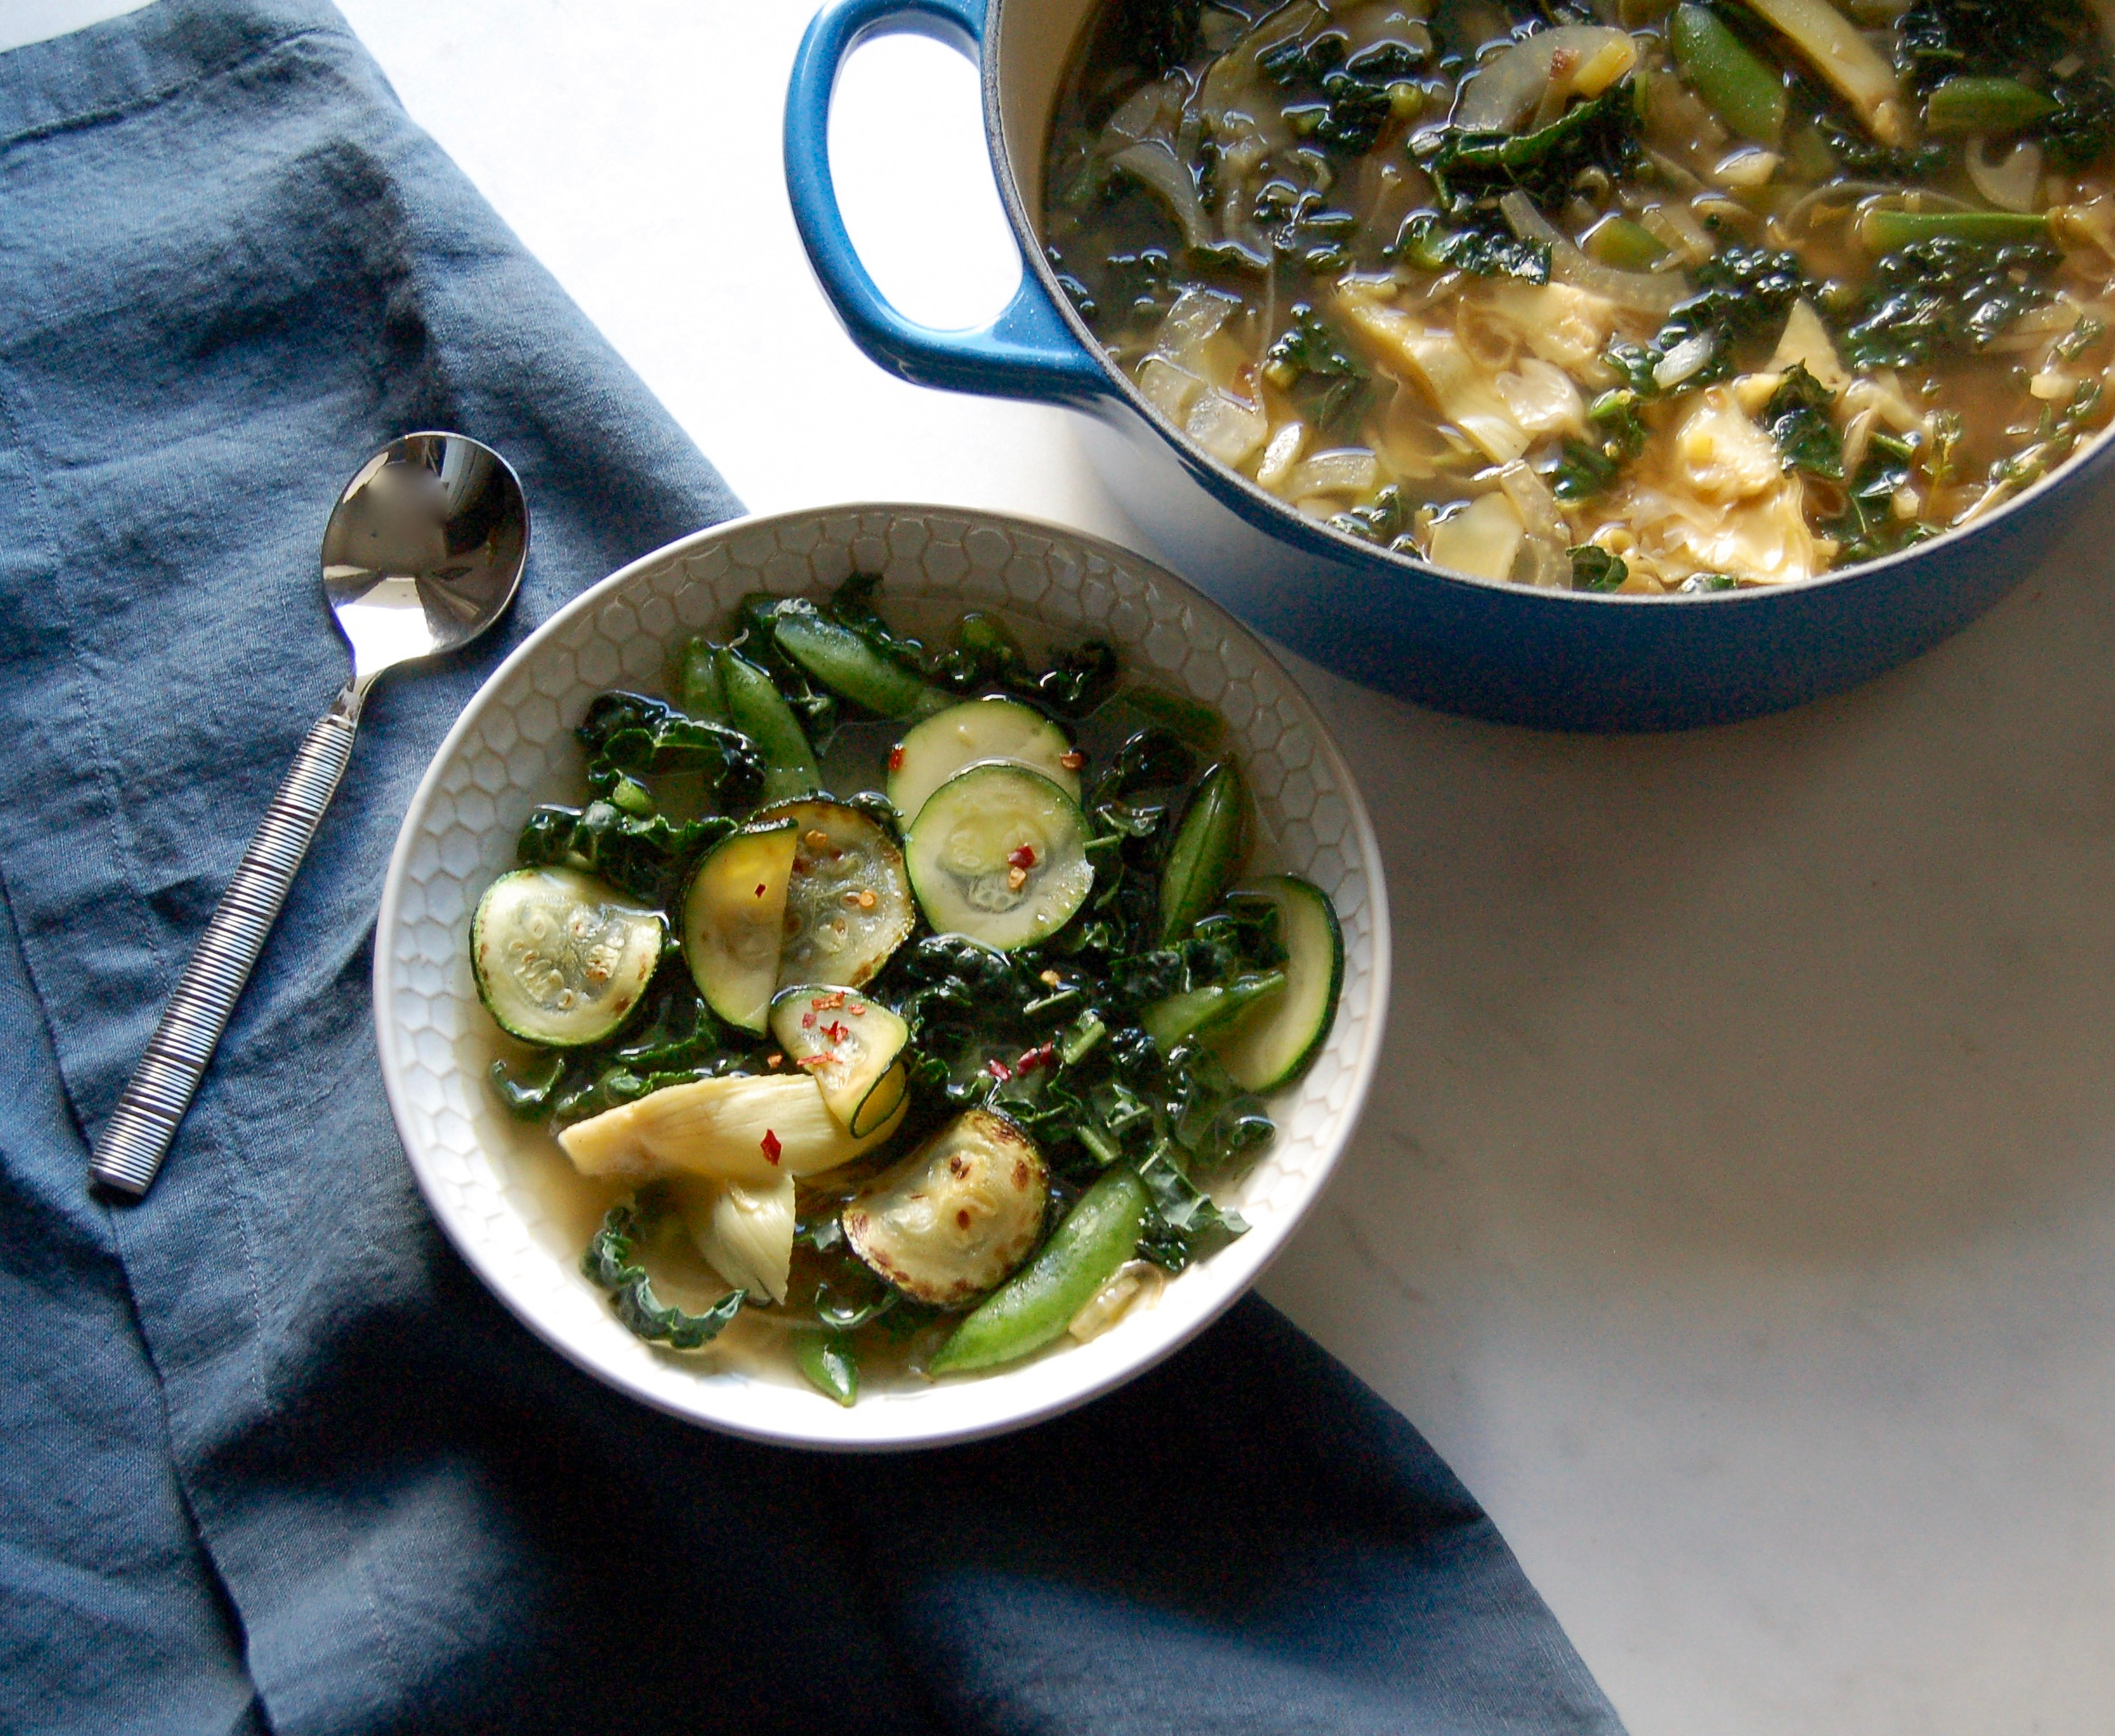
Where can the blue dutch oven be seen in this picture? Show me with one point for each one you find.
(1559, 660)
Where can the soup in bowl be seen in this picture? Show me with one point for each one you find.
(1552, 363)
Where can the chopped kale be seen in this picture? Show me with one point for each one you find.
(1153, 35)
(1596, 570)
(1471, 168)
(1310, 364)
(1618, 435)
(1798, 418)
(645, 855)
(608, 1264)
(1341, 100)
(1743, 295)
(1380, 520)
(1482, 246)
(1582, 471)
(2053, 47)
(1946, 296)
(1868, 526)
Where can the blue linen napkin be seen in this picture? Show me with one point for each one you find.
(269, 1457)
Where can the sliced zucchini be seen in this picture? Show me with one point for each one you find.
(560, 959)
(962, 735)
(999, 853)
(747, 1127)
(847, 904)
(1273, 1042)
(848, 1045)
(956, 1216)
(734, 920)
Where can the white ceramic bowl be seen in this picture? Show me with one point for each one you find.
(513, 747)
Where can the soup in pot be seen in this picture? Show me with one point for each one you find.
(1608, 297)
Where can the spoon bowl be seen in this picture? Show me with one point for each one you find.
(423, 552)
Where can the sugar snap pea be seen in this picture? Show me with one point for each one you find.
(697, 682)
(1882, 232)
(846, 664)
(1170, 1021)
(754, 707)
(1737, 86)
(1206, 852)
(1037, 1303)
(826, 1361)
(1985, 105)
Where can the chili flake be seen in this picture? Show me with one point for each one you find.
(999, 1069)
(837, 1030)
(1073, 760)
(771, 1146)
(1023, 856)
(760, 889)
(895, 758)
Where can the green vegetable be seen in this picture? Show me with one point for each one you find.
(1883, 231)
(759, 710)
(1968, 104)
(1798, 418)
(1036, 1304)
(1341, 100)
(1206, 854)
(1741, 89)
(846, 663)
(1193, 1011)
(1868, 526)
(1470, 168)
(1945, 295)
(1310, 363)
(1743, 297)
(1596, 570)
(696, 681)
(1616, 240)
(608, 1264)
(830, 1363)
(1483, 246)
(1582, 471)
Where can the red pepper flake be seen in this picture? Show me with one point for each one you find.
(858, 1009)
(999, 1069)
(1024, 857)
(760, 889)
(772, 1147)
(895, 758)
(837, 1030)
(1073, 760)
(807, 1021)
(1039, 1056)
(812, 1061)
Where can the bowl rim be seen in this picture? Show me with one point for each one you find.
(1279, 518)
(1238, 1265)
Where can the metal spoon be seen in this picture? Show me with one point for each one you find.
(423, 552)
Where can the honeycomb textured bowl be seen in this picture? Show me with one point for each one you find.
(513, 747)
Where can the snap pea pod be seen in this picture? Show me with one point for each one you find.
(1736, 84)
(1882, 232)
(1206, 852)
(1170, 1021)
(697, 682)
(1985, 105)
(1616, 240)
(754, 707)
(847, 665)
(826, 1361)
(1037, 1303)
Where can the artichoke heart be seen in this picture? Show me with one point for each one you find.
(746, 1233)
(958, 1215)
(741, 1127)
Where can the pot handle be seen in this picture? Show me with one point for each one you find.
(1028, 351)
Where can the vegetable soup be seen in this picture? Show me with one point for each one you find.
(1614, 296)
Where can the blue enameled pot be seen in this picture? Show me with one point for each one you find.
(1561, 660)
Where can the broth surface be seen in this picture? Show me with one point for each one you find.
(1619, 296)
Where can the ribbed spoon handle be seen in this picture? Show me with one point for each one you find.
(138, 1135)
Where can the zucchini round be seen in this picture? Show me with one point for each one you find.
(848, 1045)
(1273, 1042)
(958, 1215)
(964, 735)
(999, 853)
(561, 959)
(847, 902)
(734, 916)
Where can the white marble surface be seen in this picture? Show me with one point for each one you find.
(1737, 1214)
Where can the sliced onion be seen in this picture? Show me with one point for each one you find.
(1654, 293)
(2010, 185)
(1541, 560)
(1684, 360)
(1500, 93)
(1156, 168)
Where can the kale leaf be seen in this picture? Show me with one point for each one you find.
(1946, 296)
(645, 855)
(1470, 168)
(1311, 363)
(1154, 35)
(608, 1264)
(1868, 526)
(1353, 95)
(1596, 570)
(1798, 418)
(1742, 296)
(2052, 46)
(1481, 245)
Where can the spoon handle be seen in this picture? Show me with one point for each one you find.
(142, 1129)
